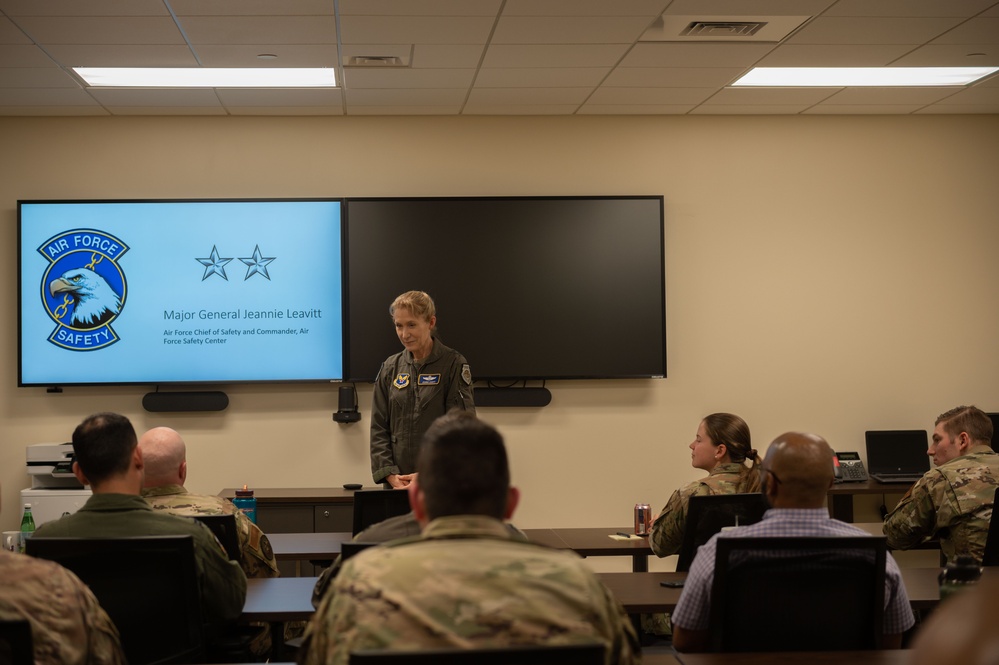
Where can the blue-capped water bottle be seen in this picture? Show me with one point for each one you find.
(247, 503)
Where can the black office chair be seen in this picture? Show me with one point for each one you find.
(373, 506)
(224, 528)
(350, 548)
(16, 646)
(991, 555)
(148, 585)
(798, 594)
(563, 654)
(707, 515)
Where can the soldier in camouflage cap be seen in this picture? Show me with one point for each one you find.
(952, 502)
(166, 470)
(68, 626)
(466, 581)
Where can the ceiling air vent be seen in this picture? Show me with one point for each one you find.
(722, 28)
(374, 61)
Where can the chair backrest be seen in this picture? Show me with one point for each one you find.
(991, 556)
(351, 548)
(16, 646)
(148, 585)
(707, 515)
(224, 528)
(798, 594)
(563, 654)
(373, 506)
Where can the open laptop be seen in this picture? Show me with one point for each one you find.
(897, 456)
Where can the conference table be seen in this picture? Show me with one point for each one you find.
(594, 541)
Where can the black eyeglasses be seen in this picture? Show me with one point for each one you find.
(776, 477)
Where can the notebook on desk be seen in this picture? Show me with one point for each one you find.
(897, 456)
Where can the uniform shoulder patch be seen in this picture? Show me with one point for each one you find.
(466, 374)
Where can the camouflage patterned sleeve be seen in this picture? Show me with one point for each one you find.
(914, 518)
(256, 556)
(667, 530)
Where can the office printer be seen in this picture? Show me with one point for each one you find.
(54, 490)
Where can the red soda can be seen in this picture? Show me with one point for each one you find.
(643, 519)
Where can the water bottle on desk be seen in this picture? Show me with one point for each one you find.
(247, 503)
(27, 526)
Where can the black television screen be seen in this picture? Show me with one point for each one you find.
(179, 291)
(525, 288)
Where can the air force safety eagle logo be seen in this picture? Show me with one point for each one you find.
(83, 288)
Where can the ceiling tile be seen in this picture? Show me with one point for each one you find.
(749, 96)
(960, 109)
(280, 97)
(260, 29)
(825, 55)
(48, 77)
(251, 7)
(568, 30)
(415, 29)
(446, 55)
(960, 8)
(668, 96)
(404, 109)
(10, 33)
(519, 109)
(565, 55)
(951, 55)
(160, 97)
(675, 77)
(540, 77)
(419, 7)
(388, 77)
(85, 8)
(976, 95)
(527, 96)
(289, 55)
(649, 8)
(872, 30)
(166, 110)
(91, 30)
(752, 109)
(915, 96)
(44, 97)
(408, 97)
(634, 109)
(24, 56)
(691, 54)
(861, 109)
(62, 110)
(123, 55)
(973, 31)
(285, 110)
(748, 7)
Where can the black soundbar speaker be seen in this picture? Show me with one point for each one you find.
(204, 400)
(512, 397)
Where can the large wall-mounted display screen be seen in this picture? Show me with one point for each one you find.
(525, 288)
(179, 291)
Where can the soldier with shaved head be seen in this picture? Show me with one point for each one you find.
(795, 476)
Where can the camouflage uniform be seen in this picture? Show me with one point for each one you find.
(667, 530)
(466, 582)
(404, 404)
(952, 502)
(257, 559)
(68, 627)
(222, 583)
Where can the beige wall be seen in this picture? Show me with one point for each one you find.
(832, 274)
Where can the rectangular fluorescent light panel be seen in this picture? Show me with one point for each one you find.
(206, 77)
(862, 76)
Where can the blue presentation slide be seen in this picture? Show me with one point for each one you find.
(180, 291)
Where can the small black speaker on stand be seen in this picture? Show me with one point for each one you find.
(347, 406)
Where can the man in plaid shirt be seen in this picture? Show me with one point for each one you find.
(797, 473)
